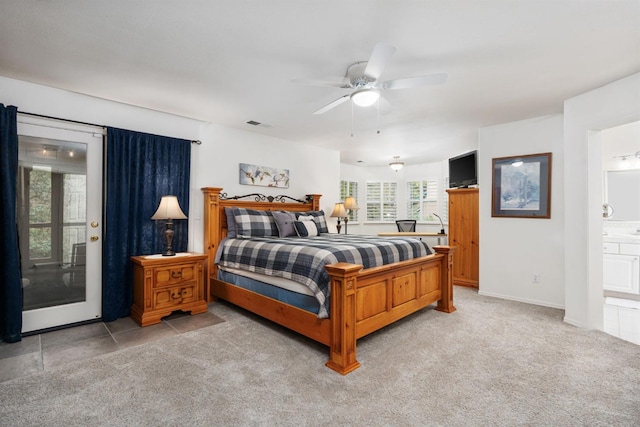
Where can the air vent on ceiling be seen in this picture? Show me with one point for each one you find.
(254, 123)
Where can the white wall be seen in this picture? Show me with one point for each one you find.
(312, 170)
(584, 116)
(214, 163)
(512, 250)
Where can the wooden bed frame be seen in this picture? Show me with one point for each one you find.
(362, 300)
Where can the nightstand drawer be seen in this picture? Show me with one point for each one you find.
(174, 296)
(165, 276)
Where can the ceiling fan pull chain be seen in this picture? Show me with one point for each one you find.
(352, 120)
(378, 118)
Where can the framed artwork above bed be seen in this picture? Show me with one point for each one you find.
(263, 176)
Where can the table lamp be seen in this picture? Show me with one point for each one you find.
(350, 204)
(339, 212)
(169, 209)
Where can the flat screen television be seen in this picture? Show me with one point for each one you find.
(463, 170)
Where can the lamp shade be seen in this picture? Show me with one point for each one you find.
(339, 211)
(350, 203)
(365, 97)
(169, 208)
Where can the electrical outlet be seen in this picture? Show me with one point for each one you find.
(535, 278)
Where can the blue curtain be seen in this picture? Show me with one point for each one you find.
(140, 169)
(11, 284)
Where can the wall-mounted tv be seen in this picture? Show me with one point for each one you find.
(463, 170)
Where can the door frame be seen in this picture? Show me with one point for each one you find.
(93, 137)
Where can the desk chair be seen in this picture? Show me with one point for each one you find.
(406, 225)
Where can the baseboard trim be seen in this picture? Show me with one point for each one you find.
(525, 300)
(573, 322)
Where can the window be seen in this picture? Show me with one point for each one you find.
(55, 208)
(382, 201)
(40, 184)
(350, 189)
(422, 200)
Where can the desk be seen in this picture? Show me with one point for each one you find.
(413, 234)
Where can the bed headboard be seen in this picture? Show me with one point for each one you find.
(215, 220)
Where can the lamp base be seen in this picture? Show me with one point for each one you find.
(168, 234)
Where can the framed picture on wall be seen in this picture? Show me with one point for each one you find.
(521, 186)
(263, 176)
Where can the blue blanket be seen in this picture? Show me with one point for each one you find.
(303, 259)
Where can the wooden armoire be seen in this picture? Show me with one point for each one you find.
(463, 233)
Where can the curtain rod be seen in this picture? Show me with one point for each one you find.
(193, 141)
(58, 118)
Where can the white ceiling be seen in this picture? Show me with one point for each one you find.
(229, 62)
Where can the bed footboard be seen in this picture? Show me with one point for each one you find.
(363, 301)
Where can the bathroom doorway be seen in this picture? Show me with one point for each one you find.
(621, 231)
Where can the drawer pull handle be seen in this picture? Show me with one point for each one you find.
(176, 274)
(176, 296)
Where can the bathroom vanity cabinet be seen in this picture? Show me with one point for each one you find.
(621, 267)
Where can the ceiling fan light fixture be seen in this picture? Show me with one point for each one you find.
(365, 97)
(396, 165)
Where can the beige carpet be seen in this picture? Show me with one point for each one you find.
(493, 362)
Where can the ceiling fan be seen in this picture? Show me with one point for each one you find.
(362, 78)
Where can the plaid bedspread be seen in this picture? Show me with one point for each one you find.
(303, 260)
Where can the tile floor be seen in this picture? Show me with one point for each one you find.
(51, 349)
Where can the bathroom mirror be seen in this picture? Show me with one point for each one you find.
(623, 194)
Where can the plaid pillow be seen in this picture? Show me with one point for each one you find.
(306, 228)
(320, 220)
(254, 223)
(231, 223)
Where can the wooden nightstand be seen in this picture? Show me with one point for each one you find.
(164, 284)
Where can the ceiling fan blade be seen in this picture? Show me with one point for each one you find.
(379, 58)
(323, 83)
(430, 79)
(332, 104)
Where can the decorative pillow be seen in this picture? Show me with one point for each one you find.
(284, 222)
(254, 223)
(319, 218)
(231, 223)
(306, 228)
